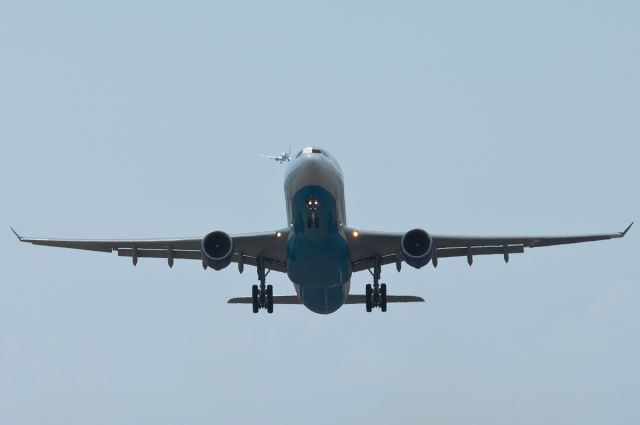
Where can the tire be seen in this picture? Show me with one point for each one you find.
(368, 297)
(254, 294)
(383, 297)
(269, 299)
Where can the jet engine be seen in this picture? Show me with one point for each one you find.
(217, 250)
(417, 248)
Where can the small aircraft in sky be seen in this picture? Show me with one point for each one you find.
(317, 250)
(282, 158)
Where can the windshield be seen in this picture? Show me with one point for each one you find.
(310, 150)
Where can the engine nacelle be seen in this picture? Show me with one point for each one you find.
(417, 248)
(217, 250)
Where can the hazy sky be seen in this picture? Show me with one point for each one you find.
(146, 119)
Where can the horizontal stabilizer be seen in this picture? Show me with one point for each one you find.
(353, 299)
(283, 299)
(360, 299)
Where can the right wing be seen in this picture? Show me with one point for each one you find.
(247, 248)
(367, 246)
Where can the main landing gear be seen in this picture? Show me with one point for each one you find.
(376, 295)
(262, 295)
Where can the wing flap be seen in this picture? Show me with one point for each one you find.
(160, 253)
(484, 250)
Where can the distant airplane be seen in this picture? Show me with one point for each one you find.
(282, 158)
(317, 250)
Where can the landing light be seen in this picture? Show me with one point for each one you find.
(355, 233)
(279, 235)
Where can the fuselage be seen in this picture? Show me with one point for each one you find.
(318, 257)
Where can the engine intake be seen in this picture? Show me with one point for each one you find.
(417, 248)
(217, 250)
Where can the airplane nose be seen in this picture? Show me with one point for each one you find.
(319, 164)
(314, 165)
(313, 170)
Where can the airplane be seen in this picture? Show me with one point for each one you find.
(282, 158)
(317, 250)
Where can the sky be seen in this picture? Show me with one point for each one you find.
(145, 119)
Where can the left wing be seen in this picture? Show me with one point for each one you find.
(367, 246)
(270, 157)
(270, 246)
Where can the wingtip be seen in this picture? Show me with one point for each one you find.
(626, 230)
(16, 233)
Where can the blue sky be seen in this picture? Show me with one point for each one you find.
(146, 119)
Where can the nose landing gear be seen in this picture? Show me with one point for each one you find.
(376, 295)
(313, 220)
(262, 295)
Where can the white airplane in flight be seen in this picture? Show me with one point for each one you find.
(317, 250)
(282, 158)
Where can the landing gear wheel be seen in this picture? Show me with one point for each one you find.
(376, 294)
(316, 222)
(254, 295)
(383, 297)
(269, 299)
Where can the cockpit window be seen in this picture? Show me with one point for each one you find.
(309, 150)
